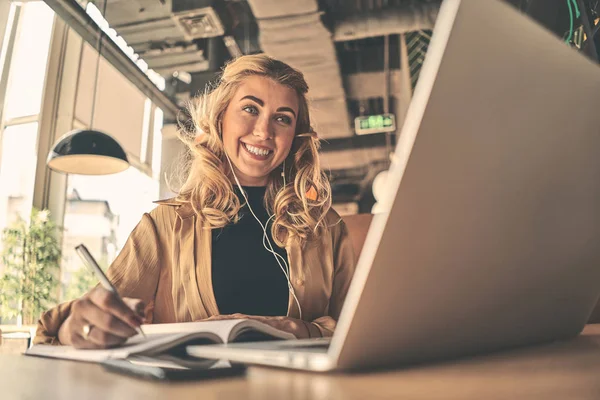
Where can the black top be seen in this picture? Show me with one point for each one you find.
(246, 278)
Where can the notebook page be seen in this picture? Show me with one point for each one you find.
(158, 335)
(220, 328)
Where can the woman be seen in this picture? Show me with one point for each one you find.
(204, 254)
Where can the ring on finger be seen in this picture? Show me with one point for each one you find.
(87, 328)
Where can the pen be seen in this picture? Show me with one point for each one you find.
(93, 265)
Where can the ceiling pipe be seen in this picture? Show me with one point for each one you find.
(386, 22)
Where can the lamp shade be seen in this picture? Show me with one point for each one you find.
(87, 152)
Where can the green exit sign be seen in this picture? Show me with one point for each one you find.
(375, 124)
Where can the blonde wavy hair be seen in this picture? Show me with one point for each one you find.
(299, 207)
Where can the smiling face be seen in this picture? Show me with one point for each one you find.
(258, 126)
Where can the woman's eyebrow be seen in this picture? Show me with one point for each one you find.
(287, 109)
(262, 104)
(255, 99)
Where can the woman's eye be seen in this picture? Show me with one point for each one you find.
(284, 119)
(250, 109)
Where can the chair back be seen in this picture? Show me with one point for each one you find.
(358, 226)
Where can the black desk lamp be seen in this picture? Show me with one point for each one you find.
(88, 152)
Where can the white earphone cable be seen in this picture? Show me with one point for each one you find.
(265, 236)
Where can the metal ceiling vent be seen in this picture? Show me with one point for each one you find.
(199, 23)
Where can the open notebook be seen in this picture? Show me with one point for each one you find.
(165, 344)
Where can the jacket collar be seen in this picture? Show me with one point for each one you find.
(183, 208)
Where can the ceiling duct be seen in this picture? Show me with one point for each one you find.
(199, 23)
(292, 31)
(165, 34)
(176, 24)
(143, 33)
(168, 60)
(386, 22)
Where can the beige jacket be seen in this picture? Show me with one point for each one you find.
(166, 262)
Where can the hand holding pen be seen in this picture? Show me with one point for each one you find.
(101, 318)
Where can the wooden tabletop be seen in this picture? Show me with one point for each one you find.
(567, 370)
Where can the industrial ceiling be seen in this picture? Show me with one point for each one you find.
(360, 58)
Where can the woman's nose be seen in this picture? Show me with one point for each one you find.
(262, 129)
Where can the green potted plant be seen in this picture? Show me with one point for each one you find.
(31, 257)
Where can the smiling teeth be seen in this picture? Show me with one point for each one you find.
(256, 150)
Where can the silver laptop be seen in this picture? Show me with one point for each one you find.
(491, 238)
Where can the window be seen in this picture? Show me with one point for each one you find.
(101, 212)
(29, 61)
(17, 171)
(26, 72)
(157, 143)
(23, 62)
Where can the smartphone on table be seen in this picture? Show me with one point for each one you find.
(164, 373)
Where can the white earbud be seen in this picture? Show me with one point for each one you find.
(286, 270)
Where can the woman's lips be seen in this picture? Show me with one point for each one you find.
(257, 152)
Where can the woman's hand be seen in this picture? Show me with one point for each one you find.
(99, 320)
(296, 327)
